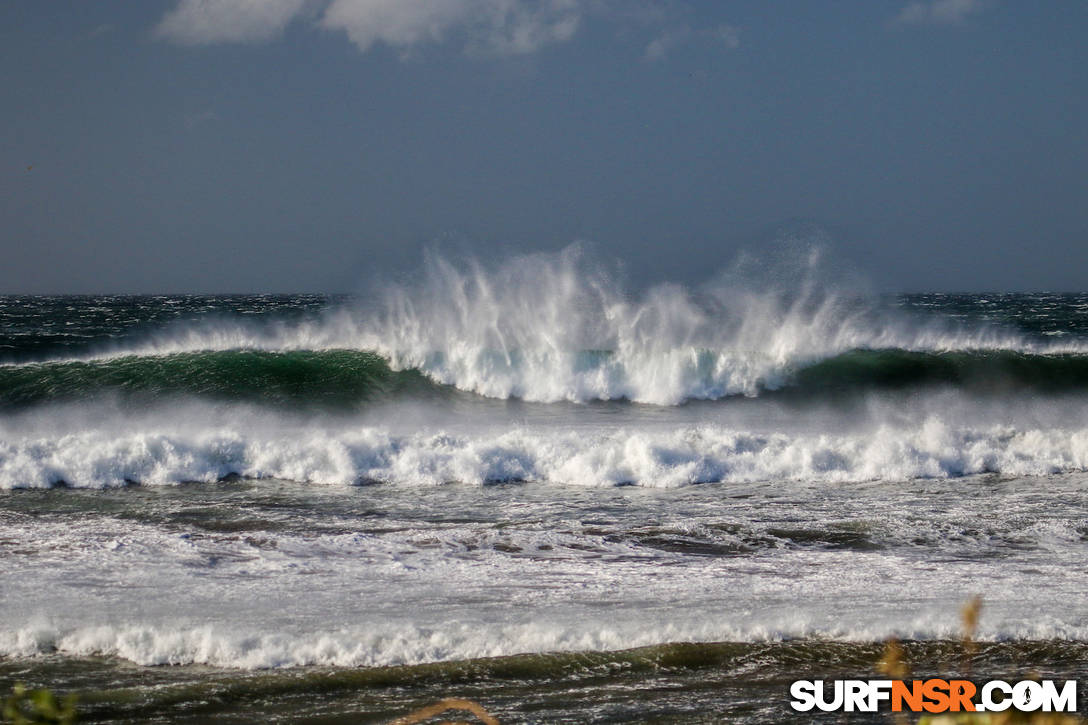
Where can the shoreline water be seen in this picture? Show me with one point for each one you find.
(674, 682)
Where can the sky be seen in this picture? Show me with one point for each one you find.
(305, 145)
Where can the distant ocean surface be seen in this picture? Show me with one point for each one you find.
(524, 485)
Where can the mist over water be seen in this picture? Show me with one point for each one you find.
(554, 327)
(544, 368)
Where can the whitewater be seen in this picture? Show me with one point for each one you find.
(654, 453)
(534, 459)
(546, 328)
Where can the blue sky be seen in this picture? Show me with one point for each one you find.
(290, 145)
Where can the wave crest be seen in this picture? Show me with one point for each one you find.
(655, 458)
(554, 327)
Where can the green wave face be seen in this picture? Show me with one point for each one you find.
(1000, 371)
(323, 378)
(347, 378)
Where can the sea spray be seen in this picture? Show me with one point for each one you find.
(552, 327)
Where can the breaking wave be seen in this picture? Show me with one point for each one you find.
(674, 456)
(553, 327)
(347, 378)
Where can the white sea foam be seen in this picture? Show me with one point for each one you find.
(277, 574)
(552, 327)
(103, 456)
(408, 644)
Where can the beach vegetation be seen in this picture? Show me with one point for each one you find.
(37, 707)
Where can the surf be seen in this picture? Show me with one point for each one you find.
(559, 327)
(345, 379)
(94, 447)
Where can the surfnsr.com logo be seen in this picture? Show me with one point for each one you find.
(933, 695)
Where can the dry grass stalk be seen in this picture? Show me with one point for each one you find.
(972, 610)
(894, 664)
(446, 705)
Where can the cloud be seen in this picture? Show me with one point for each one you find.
(99, 30)
(201, 22)
(937, 12)
(662, 45)
(502, 27)
(728, 35)
(192, 120)
(480, 27)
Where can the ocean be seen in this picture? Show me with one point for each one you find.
(525, 485)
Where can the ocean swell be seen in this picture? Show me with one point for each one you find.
(349, 378)
(553, 327)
